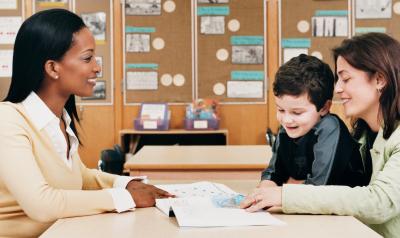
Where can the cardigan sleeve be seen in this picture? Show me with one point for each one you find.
(376, 203)
(21, 175)
(94, 179)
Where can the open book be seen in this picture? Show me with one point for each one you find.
(204, 204)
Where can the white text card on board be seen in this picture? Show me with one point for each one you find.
(245, 89)
(142, 81)
(9, 27)
(6, 57)
(8, 4)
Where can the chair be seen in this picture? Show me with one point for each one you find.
(112, 160)
(270, 137)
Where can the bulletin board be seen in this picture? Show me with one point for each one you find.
(99, 19)
(231, 62)
(298, 29)
(376, 16)
(15, 10)
(40, 5)
(158, 55)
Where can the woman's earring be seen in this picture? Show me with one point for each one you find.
(56, 77)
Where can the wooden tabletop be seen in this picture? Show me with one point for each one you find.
(172, 131)
(201, 157)
(151, 223)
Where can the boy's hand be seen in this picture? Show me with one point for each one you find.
(294, 181)
(266, 184)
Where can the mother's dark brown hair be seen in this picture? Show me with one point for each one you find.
(376, 53)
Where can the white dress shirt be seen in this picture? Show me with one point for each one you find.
(44, 119)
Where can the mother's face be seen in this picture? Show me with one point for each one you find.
(357, 91)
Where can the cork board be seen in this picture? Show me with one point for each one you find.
(40, 5)
(213, 72)
(387, 25)
(97, 17)
(166, 57)
(19, 11)
(291, 13)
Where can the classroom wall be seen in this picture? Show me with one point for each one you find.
(247, 124)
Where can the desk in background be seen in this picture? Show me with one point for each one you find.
(200, 162)
(133, 140)
(151, 223)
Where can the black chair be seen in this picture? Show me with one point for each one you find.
(112, 160)
(270, 137)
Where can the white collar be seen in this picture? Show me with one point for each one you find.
(39, 112)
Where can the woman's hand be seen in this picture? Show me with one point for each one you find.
(145, 195)
(260, 198)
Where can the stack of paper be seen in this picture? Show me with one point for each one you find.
(194, 207)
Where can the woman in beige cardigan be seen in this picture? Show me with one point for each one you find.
(42, 177)
(368, 83)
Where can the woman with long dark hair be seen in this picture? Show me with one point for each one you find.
(42, 177)
(368, 83)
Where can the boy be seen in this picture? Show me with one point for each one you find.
(312, 145)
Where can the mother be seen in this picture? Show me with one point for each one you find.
(368, 83)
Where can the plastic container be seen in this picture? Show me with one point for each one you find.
(201, 124)
(148, 124)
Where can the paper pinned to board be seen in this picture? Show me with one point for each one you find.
(194, 207)
(9, 27)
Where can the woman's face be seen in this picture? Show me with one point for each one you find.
(78, 68)
(357, 91)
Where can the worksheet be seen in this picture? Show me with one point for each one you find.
(207, 204)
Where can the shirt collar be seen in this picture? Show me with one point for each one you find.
(38, 111)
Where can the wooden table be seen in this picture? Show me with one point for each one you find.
(130, 139)
(151, 223)
(200, 162)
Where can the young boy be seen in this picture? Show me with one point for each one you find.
(312, 145)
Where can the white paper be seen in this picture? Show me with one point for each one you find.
(194, 208)
(341, 26)
(142, 81)
(153, 112)
(329, 26)
(373, 9)
(199, 189)
(8, 4)
(6, 57)
(200, 124)
(9, 27)
(96, 22)
(137, 42)
(289, 53)
(245, 89)
(317, 26)
(212, 25)
(149, 124)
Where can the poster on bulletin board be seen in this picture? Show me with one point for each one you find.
(99, 20)
(158, 56)
(12, 14)
(231, 51)
(313, 28)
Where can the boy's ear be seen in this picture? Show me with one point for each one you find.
(325, 109)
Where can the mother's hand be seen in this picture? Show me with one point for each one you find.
(262, 198)
(145, 195)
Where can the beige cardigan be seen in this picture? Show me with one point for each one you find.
(37, 187)
(377, 205)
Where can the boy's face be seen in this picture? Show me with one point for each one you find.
(297, 114)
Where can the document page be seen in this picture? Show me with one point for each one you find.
(198, 205)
